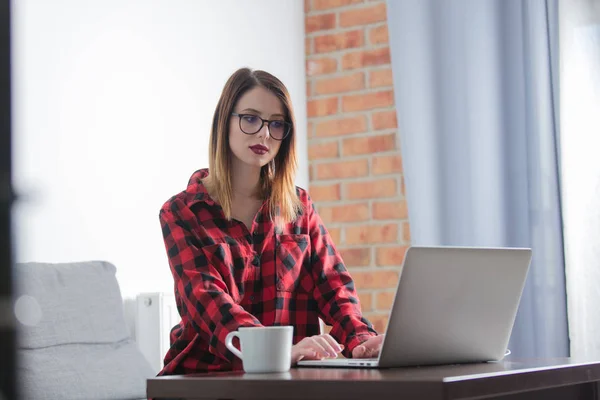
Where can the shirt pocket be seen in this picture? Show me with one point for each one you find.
(292, 259)
(233, 264)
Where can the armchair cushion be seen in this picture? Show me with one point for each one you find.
(73, 342)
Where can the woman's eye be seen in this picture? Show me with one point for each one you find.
(250, 118)
(277, 124)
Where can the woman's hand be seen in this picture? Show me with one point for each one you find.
(316, 348)
(368, 349)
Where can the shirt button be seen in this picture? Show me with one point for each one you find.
(280, 286)
(256, 261)
(251, 298)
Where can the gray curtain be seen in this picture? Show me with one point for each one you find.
(476, 95)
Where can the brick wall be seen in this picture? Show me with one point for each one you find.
(355, 165)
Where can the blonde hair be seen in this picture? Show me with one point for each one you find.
(277, 177)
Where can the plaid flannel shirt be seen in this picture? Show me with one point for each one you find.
(227, 276)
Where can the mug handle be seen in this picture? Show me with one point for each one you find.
(229, 343)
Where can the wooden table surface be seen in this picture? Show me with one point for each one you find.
(560, 378)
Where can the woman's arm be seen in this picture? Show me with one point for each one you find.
(206, 302)
(335, 292)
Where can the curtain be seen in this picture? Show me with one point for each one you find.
(475, 85)
(580, 126)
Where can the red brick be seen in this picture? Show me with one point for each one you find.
(369, 234)
(341, 126)
(359, 102)
(402, 188)
(395, 209)
(390, 256)
(365, 58)
(321, 66)
(369, 144)
(384, 300)
(323, 150)
(406, 232)
(363, 15)
(381, 77)
(325, 192)
(375, 279)
(374, 189)
(319, 22)
(307, 46)
(345, 213)
(347, 83)
(379, 321)
(335, 234)
(356, 256)
(386, 165)
(384, 120)
(343, 169)
(327, 4)
(339, 41)
(322, 107)
(366, 301)
(379, 35)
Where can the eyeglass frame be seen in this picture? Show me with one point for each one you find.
(289, 125)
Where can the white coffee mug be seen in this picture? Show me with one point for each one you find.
(264, 349)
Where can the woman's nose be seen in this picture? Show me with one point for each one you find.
(265, 129)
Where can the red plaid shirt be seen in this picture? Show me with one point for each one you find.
(227, 276)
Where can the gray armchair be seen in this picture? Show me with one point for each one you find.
(72, 338)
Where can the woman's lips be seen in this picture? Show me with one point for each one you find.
(259, 149)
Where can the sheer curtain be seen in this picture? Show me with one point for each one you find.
(475, 84)
(580, 127)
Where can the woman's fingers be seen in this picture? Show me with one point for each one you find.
(304, 353)
(359, 352)
(330, 346)
(317, 347)
(336, 346)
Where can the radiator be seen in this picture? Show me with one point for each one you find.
(155, 315)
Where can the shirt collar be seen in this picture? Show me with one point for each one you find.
(196, 189)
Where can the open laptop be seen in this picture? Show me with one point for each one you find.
(453, 305)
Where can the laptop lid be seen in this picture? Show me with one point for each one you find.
(454, 305)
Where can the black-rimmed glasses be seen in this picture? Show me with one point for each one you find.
(250, 124)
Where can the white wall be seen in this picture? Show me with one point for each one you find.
(113, 102)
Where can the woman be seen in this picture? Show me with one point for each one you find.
(247, 248)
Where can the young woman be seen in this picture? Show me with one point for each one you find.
(247, 248)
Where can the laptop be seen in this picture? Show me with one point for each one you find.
(452, 305)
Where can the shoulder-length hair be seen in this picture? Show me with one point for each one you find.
(277, 177)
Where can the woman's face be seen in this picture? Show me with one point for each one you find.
(257, 149)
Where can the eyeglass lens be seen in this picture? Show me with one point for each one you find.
(251, 124)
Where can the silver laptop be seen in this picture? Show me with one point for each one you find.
(453, 305)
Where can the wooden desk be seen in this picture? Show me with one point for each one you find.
(551, 379)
